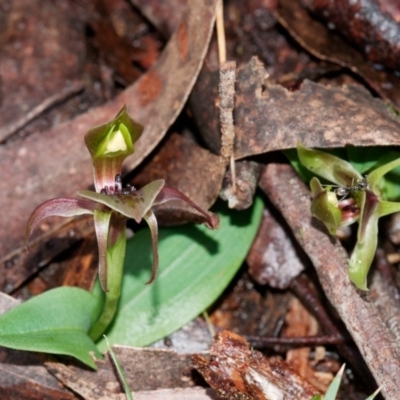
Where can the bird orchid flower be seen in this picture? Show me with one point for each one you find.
(352, 197)
(112, 205)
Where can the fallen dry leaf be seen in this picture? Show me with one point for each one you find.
(366, 24)
(29, 48)
(325, 44)
(272, 118)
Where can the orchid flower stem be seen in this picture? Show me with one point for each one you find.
(107, 315)
(115, 264)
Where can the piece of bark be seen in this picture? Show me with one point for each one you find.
(246, 174)
(376, 343)
(273, 258)
(365, 24)
(43, 163)
(325, 44)
(387, 303)
(273, 118)
(226, 105)
(235, 370)
(178, 394)
(145, 369)
(189, 168)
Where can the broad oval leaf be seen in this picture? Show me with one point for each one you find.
(54, 322)
(196, 265)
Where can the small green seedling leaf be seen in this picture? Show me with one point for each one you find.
(54, 322)
(373, 395)
(120, 371)
(196, 265)
(333, 389)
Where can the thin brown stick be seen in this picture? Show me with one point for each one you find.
(374, 340)
(301, 341)
(228, 113)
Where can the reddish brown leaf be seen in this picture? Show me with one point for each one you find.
(41, 53)
(326, 45)
(364, 23)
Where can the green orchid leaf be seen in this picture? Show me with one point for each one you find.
(388, 207)
(325, 206)
(378, 173)
(328, 166)
(54, 322)
(196, 265)
(109, 145)
(61, 207)
(364, 251)
(293, 157)
(133, 205)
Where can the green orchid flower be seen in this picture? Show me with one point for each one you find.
(352, 197)
(112, 205)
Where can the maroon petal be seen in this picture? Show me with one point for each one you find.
(102, 225)
(152, 222)
(61, 207)
(168, 193)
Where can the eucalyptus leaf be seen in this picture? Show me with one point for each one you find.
(54, 322)
(196, 265)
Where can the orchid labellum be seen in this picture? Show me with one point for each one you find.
(112, 205)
